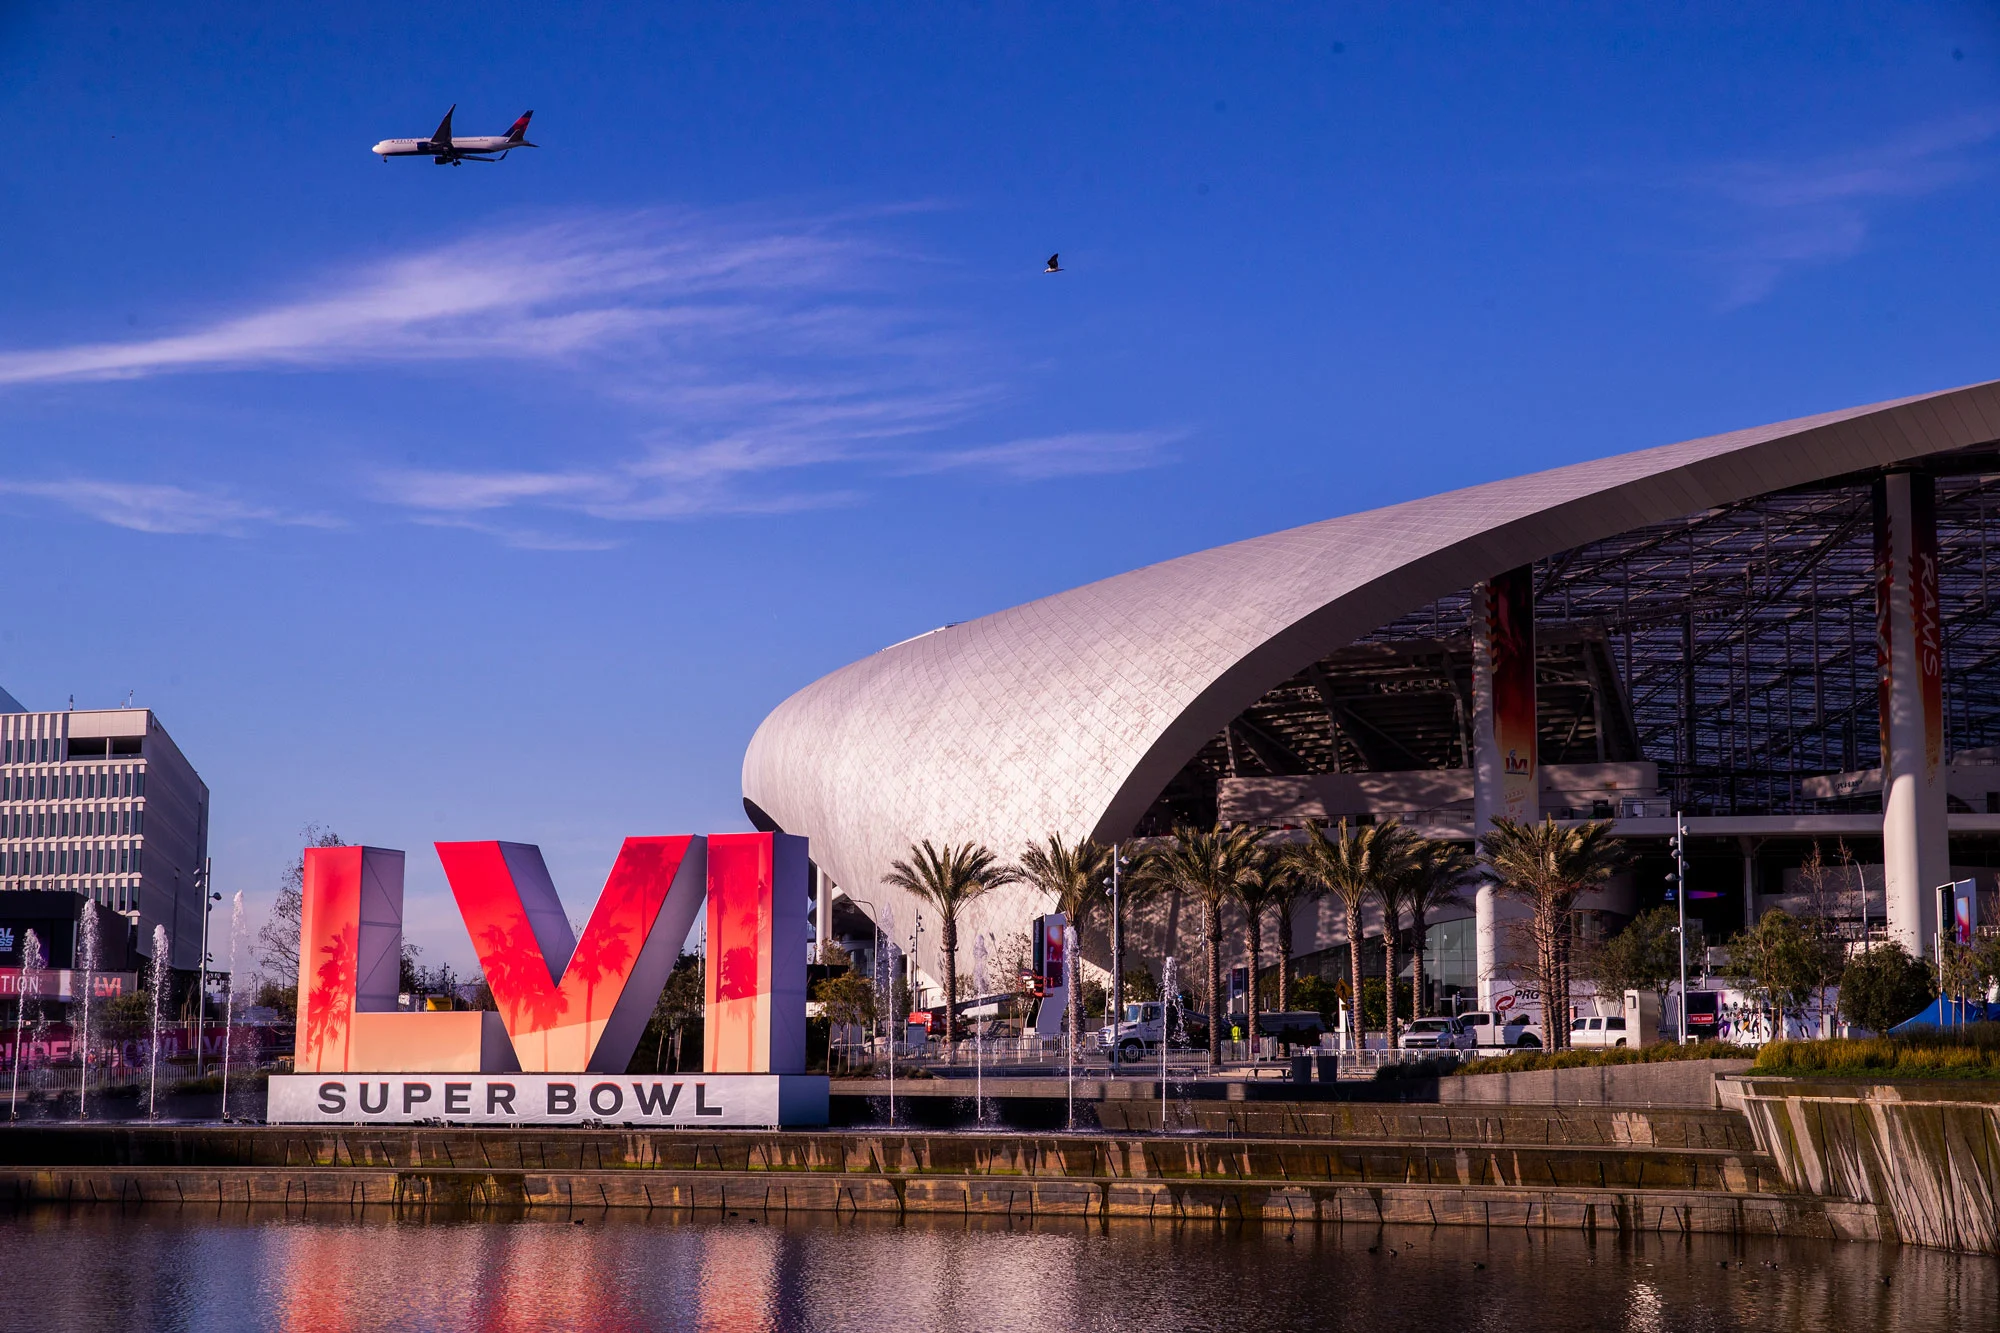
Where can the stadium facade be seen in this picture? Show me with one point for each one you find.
(1784, 634)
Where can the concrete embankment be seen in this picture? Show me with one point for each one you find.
(1242, 1105)
(1661, 1171)
(1923, 1156)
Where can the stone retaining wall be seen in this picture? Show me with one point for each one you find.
(1690, 1083)
(1925, 1154)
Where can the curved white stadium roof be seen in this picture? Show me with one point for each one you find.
(1069, 714)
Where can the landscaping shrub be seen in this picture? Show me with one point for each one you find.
(1522, 1062)
(1969, 1052)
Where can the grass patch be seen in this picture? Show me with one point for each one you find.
(1522, 1062)
(1969, 1052)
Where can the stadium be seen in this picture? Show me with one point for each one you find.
(1783, 636)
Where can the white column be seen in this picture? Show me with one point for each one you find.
(1909, 653)
(1749, 850)
(1492, 792)
(822, 911)
(1487, 797)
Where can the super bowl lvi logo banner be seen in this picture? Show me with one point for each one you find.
(566, 1005)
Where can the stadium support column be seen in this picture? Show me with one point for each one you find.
(1909, 658)
(822, 913)
(1504, 777)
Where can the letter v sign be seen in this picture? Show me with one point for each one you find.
(570, 1004)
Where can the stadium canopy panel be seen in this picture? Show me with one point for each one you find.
(1707, 643)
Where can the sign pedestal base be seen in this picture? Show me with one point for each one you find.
(665, 1101)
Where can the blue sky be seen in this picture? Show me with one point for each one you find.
(504, 501)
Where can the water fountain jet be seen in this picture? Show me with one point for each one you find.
(1166, 1031)
(31, 985)
(160, 945)
(978, 1037)
(87, 940)
(1069, 991)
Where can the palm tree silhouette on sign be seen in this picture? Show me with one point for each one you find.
(332, 997)
(603, 950)
(518, 973)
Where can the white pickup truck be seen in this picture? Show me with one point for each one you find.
(1145, 1027)
(1503, 1031)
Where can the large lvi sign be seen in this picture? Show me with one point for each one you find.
(570, 1010)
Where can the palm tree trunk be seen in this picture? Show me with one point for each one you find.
(1562, 965)
(1353, 906)
(1389, 977)
(1211, 924)
(1253, 944)
(1551, 975)
(1417, 967)
(950, 986)
(1284, 958)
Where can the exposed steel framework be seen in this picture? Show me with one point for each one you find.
(1734, 647)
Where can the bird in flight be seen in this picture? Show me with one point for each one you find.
(1053, 267)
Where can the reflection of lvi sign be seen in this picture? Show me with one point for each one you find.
(567, 1006)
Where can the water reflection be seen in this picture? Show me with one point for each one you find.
(169, 1268)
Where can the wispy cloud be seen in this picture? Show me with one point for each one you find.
(755, 369)
(161, 509)
(542, 293)
(1793, 215)
(1078, 455)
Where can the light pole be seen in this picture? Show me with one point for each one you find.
(1678, 878)
(1117, 952)
(875, 920)
(208, 900)
(916, 938)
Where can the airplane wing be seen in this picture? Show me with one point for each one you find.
(443, 132)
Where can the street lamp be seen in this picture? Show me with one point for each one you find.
(208, 901)
(1118, 859)
(875, 920)
(1678, 878)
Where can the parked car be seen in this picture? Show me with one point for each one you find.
(1599, 1031)
(1436, 1034)
(1506, 1031)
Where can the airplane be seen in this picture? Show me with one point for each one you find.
(442, 148)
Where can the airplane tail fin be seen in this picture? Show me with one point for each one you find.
(443, 132)
(519, 133)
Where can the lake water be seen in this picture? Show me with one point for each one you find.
(200, 1269)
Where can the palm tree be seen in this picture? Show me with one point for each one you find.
(1204, 864)
(1351, 865)
(1290, 891)
(1548, 866)
(948, 878)
(1435, 880)
(1073, 875)
(1390, 892)
(1255, 893)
